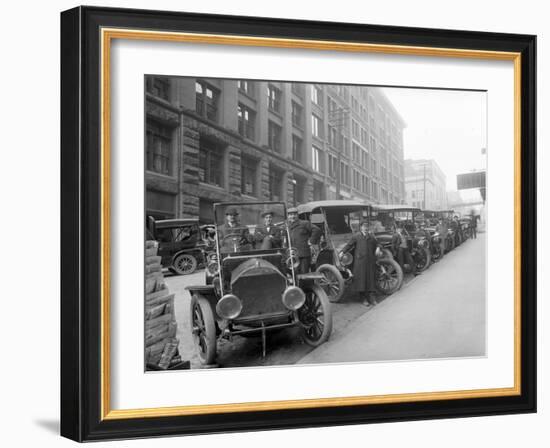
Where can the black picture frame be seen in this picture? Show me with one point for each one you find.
(81, 226)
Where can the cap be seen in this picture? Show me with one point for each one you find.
(292, 210)
(232, 211)
(267, 212)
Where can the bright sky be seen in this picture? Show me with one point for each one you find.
(448, 126)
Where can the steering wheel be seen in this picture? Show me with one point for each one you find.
(236, 240)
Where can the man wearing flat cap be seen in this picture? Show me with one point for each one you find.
(302, 233)
(365, 247)
(232, 236)
(268, 236)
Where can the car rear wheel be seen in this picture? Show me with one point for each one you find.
(333, 283)
(203, 329)
(184, 264)
(315, 315)
(388, 276)
(422, 258)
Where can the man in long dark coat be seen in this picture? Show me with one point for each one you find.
(268, 236)
(302, 233)
(364, 245)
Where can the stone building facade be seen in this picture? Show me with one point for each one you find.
(425, 184)
(213, 140)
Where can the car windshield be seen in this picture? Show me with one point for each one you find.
(177, 234)
(250, 226)
(344, 222)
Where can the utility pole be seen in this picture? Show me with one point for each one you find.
(424, 200)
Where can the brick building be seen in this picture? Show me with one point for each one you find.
(425, 184)
(211, 140)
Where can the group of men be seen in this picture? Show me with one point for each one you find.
(233, 236)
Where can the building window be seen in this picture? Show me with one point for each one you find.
(317, 95)
(334, 137)
(274, 98)
(247, 121)
(275, 184)
(206, 101)
(160, 205)
(297, 149)
(332, 166)
(316, 161)
(249, 176)
(356, 152)
(159, 148)
(355, 129)
(364, 159)
(246, 87)
(160, 87)
(316, 126)
(356, 180)
(344, 173)
(296, 114)
(274, 136)
(211, 158)
(346, 146)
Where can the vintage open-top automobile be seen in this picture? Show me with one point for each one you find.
(338, 220)
(182, 247)
(251, 282)
(390, 216)
(432, 217)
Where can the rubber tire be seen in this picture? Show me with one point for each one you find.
(428, 260)
(194, 264)
(209, 355)
(341, 283)
(399, 271)
(327, 313)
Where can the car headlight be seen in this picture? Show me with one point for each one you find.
(346, 259)
(423, 243)
(293, 298)
(213, 268)
(229, 306)
(292, 260)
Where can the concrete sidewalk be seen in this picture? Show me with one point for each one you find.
(441, 313)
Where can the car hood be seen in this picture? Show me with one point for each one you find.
(254, 267)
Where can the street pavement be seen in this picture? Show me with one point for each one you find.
(439, 314)
(283, 347)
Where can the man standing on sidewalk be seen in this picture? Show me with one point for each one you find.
(364, 246)
(302, 233)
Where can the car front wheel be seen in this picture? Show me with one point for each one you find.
(184, 264)
(315, 315)
(333, 283)
(203, 329)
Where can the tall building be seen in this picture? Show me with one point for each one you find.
(425, 185)
(211, 140)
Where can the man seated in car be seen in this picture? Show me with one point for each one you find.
(268, 236)
(233, 237)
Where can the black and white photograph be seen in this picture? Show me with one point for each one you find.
(291, 223)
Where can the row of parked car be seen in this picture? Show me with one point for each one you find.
(255, 288)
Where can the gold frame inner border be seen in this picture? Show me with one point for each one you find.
(107, 35)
